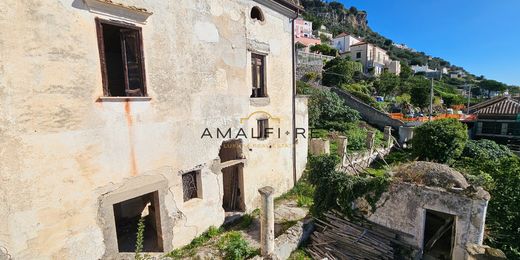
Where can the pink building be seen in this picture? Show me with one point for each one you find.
(302, 28)
(303, 34)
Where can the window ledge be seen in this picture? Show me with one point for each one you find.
(259, 101)
(123, 99)
(118, 10)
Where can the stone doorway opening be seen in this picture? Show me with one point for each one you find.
(439, 235)
(233, 189)
(127, 214)
(232, 163)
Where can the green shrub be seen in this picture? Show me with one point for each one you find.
(235, 247)
(311, 76)
(485, 150)
(356, 138)
(340, 71)
(337, 190)
(440, 141)
(502, 179)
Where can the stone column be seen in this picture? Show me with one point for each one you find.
(388, 136)
(319, 146)
(371, 137)
(267, 221)
(342, 147)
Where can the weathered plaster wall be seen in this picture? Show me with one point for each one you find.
(62, 151)
(302, 145)
(404, 207)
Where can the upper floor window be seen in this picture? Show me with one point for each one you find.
(256, 13)
(258, 75)
(358, 55)
(122, 61)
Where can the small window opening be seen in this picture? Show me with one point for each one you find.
(358, 55)
(257, 14)
(127, 215)
(191, 185)
(121, 57)
(263, 127)
(258, 75)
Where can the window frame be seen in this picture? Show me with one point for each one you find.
(263, 76)
(102, 57)
(358, 55)
(198, 184)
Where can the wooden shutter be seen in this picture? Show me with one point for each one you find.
(132, 60)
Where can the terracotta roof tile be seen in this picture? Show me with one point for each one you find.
(505, 107)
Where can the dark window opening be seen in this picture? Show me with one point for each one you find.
(127, 215)
(491, 128)
(262, 126)
(191, 185)
(439, 235)
(258, 74)
(257, 14)
(358, 55)
(122, 63)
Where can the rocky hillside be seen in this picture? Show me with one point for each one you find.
(338, 18)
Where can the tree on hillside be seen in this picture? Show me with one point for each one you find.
(386, 83)
(492, 85)
(419, 91)
(340, 71)
(406, 71)
(324, 49)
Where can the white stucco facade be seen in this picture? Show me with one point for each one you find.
(68, 153)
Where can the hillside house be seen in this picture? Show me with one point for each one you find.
(343, 41)
(303, 34)
(177, 111)
(374, 59)
(497, 119)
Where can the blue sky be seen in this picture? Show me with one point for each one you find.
(483, 36)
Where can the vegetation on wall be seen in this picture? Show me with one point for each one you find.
(337, 190)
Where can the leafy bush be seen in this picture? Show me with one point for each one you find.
(440, 141)
(235, 247)
(333, 111)
(503, 215)
(337, 190)
(324, 49)
(340, 71)
(501, 177)
(311, 76)
(485, 150)
(419, 91)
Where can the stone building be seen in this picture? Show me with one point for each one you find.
(177, 111)
(433, 209)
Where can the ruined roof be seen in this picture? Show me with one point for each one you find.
(431, 174)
